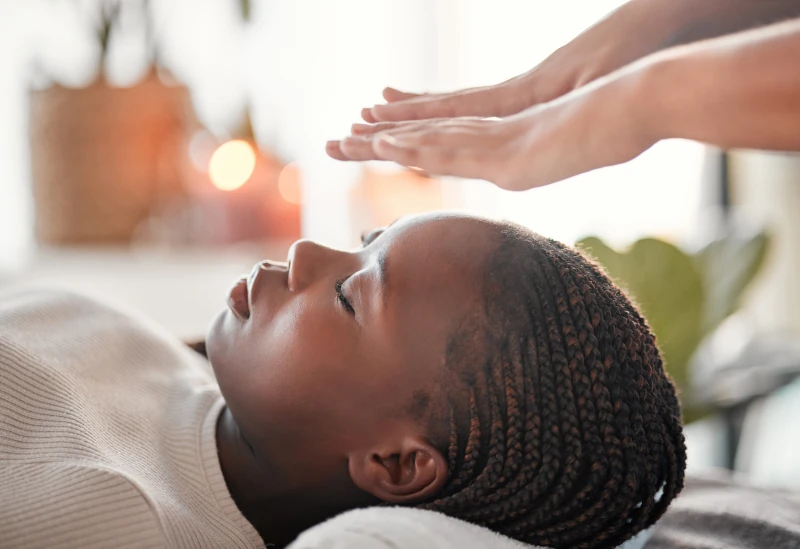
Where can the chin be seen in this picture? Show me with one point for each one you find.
(223, 348)
(217, 340)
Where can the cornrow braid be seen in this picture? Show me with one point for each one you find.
(565, 431)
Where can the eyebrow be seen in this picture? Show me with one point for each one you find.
(383, 275)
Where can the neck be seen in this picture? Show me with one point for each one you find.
(278, 511)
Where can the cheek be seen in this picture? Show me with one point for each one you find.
(293, 375)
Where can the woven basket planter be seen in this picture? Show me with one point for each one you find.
(104, 159)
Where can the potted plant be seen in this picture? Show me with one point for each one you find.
(106, 158)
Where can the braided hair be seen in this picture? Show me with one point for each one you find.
(560, 427)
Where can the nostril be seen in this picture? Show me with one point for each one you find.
(269, 264)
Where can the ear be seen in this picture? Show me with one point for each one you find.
(406, 471)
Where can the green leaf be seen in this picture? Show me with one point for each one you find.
(728, 265)
(245, 9)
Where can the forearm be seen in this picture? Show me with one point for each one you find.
(739, 91)
(693, 20)
(640, 28)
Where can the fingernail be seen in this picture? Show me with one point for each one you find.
(332, 142)
(359, 128)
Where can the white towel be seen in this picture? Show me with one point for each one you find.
(406, 528)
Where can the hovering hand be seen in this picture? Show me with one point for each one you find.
(592, 127)
(503, 99)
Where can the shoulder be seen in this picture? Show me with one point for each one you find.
(34, 319)
(77, 504)
(67, 331)
(38, 305)
(47, 322)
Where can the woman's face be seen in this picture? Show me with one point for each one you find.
(328, 352)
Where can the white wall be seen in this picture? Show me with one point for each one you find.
(319, 63)
(766, 186)
(16, 218)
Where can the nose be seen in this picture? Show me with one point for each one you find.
(307, 262)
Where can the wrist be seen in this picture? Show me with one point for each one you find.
(664, 87)
(648, 100)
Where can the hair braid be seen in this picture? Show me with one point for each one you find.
(571, 436)
(560, 358)
(583, 348)
(645, 353)
(617, 424)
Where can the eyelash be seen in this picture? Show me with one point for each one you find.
(366, 240)
(342, 298)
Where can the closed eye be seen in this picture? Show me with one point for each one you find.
(343, 298)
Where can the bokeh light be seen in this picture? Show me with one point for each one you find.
(232, 164)
(289, 184)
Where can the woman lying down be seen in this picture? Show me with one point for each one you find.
(453, 364)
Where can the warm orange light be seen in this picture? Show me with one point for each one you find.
(231, 165)
(289, 184)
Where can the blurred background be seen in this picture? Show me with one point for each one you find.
(152, 151)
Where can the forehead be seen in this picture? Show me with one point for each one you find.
(435, 269)
(452, 234)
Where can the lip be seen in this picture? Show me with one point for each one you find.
(239, 299)
(243, 293)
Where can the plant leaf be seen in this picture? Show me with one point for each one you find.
(246, 9)
(728, 265)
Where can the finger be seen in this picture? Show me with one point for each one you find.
(467, 162)
(357, 148)
(433, 137)
(391, 95)
(474, 102)
(457, 132)
(370, 129)
(333, 148)
(366, 115)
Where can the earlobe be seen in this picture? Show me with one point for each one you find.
(409, 471)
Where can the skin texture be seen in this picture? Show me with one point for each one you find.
(592, 104)
(329, 408)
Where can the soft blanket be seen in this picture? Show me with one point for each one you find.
(714, 511)
(405, 528)
(720, 512)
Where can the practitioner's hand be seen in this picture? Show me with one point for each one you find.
(635, 30)
(598, 125)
